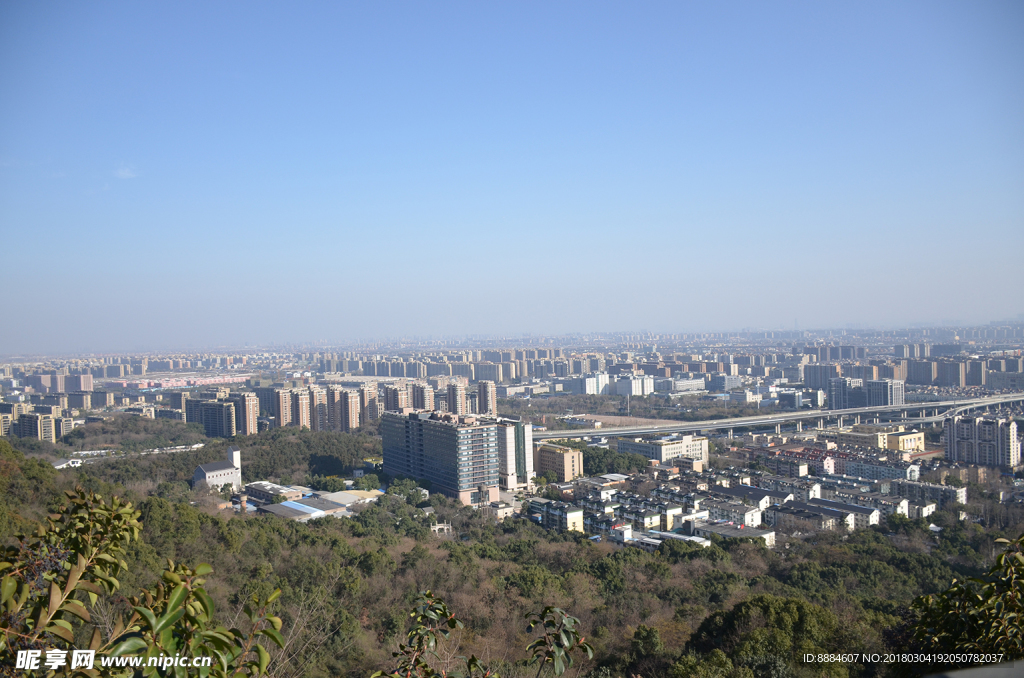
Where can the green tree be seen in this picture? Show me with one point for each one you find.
(716, 664)
(646, 641)
(368, 482)
(52, 579)
(560, 638)
(978, 615)
(433, 623)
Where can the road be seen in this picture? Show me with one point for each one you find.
(945, 408)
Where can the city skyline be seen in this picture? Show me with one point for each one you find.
(497, 170)
(706, 337)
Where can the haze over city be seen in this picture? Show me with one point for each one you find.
(526, 339)
(200, 175)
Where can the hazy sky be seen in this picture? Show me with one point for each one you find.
(188, 174)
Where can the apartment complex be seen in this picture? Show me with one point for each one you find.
(458, 455)
(687, 447)
(566, 462)
(515, 454)
(982, 440)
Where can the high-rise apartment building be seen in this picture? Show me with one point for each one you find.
(368, 400)
(193, 410)
(457, 404)
(319, 416)
(282, 407)
(922, 372)
(818, 376)
(80, 399)
(845, 393)
(217, 418)
(951, 373)
(982, 440)
(422, 396)
(487, 398)
(458, 455)
(348, 411)
(882, 392)
(300, 408)
(101, 399)
(78, 382)
(38, 426)
(396, 397)
(489, 371)
(342, 409)
(515, 453)
(247, 412)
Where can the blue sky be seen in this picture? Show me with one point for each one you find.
(199, 174)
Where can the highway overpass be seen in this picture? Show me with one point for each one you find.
(940, 411)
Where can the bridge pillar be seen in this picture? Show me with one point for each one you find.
(778, 429)
(856, 419)
(876, 419)
(730, 434)
(903, 414)
(799, 425)
(839, 421)
(821, 424)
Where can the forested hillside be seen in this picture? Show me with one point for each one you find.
(733, 609)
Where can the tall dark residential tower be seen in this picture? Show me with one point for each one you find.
(300, 408)
(319, 417)
(218, 418)
(422, 397)
(487, 398)
(396, 397)
(883, 392)
(458, 455)
(282, 407)
(457, 399)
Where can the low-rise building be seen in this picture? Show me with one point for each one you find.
(265, 492)
(219, 473)
(685, 447)
(920, 510)
(863, 516)
(924, 493)
(557, 515)
(730, 511)
(727, 531)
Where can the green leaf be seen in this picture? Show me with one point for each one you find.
(54, 599)
(7, 588)
(148, 615)
(61, 631)
(177, 596)
(76, 608)
(168, 621)
(274, 636)
(264, 659)
(131, 645)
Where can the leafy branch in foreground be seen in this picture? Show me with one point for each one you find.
(434, 623)
(560, 639)
(979, 615)
(50, 581)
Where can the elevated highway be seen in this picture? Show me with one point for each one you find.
(909, 413)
